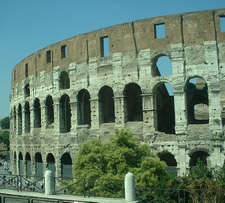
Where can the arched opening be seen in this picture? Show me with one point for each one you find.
(197, 101)
(15, 165)
(14, 118)
(28, 165)
(106, 105)
(21, 165)
(37, 113)
(198, 155)
(27, 90)
(165, 115)
(19, 119)
(133, 102)
(84, 107)
(170, 161)
(51, 163)
(27, 117)
(66, 166)
(49, 110)
(65, 114)
(64, 80)
(162, 67)
(39, 165)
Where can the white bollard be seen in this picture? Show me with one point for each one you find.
(48, 183)
(130, 187)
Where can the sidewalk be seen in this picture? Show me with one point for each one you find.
(73, 199)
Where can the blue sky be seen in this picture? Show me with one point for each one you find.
(29, 25)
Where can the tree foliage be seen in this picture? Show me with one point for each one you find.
(113, 159)
(4, 138)
(5, 123)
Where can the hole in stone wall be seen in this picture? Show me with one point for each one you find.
(64, 51)
(160, 31)
(222, 23)
(26, 70)
(104, 46)
(48, 56)
(163, 67)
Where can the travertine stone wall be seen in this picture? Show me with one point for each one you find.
(196, 49)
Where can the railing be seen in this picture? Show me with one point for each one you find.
(80, 186)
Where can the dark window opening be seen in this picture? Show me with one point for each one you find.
(27, 90)
(14, 72)
(37, 114)
(162, 67)
(28, 165)
(27, 117)
(49, 111)
(133, 103)
(104, 46)
(39, 165)
(84, 108)
(165, 115)
(66, 166)
(64, 81)
(48, 56)
(21, 165)
(14, 118)
(106, 105)
(197, 101)
(170, 162)
(19, 119)
(160, 31)
(64, 51)
(26, 70)
(199, 155)
(65, 114)
(222, 23)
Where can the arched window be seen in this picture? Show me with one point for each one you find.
(66, 166)
(37, 113)
(51, 163)
(14, 118)
(39, 165)
(165, 115)
(27, 117)
(197, 101)
(15, 165)
(65, 114)
(64, 80)
(198, 155)
(84, 107)
(27, 90)
(106, 105)
(170, 162)
(162, 66)
(21, 165)
(19, 119)
(28, 165)
(133, 102)
(49, 110)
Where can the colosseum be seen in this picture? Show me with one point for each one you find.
(91, 84)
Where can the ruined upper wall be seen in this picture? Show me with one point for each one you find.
(187, 29)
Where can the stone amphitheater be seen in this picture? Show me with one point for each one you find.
(91, 84)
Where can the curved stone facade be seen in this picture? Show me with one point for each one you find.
(86, 86)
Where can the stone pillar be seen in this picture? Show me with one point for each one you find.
(144, 61)
(117, 65)
(94, 113)
(43, 115)
(74, 122)
(31, 120)
(182, 162)
(180, 110)
(55, 78)
(119, 111)
(130, 187)
(56, 116)
(148, 112)
(48, 183)
(216, 155)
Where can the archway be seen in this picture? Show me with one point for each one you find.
(37, 113)
(64, 81)
(51, 163)
(21, 164)
(106, 105)
(66, 166)
(28, 165)
(39, 165)
(19, 119)
(133, 102)
(162, 66)
(27, 117)
(170, 161)
(84, 107)
(49, 110)
(198, 155)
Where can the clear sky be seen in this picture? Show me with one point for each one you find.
(29, 25)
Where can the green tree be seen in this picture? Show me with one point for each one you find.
(112, 159)
(5, 123)
(4, 138)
